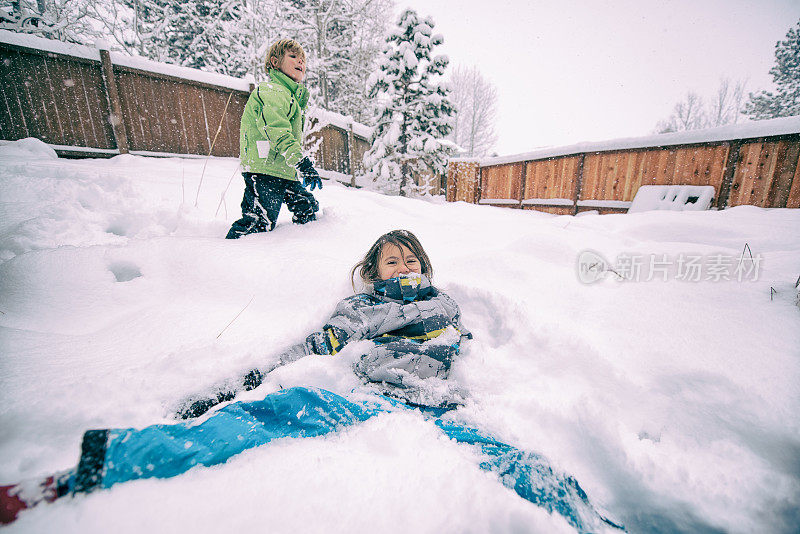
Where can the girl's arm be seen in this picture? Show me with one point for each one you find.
(354, 319)
(358, 318)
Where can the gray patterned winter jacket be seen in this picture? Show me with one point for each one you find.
(416, 331)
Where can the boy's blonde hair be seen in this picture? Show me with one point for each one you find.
(279, 49)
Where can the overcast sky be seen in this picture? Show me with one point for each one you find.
(581, 70)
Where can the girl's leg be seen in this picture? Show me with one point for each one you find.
(532, 478)
(112, 456)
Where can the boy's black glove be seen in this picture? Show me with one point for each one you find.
(310, 175)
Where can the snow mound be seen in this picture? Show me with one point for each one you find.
(28, 147)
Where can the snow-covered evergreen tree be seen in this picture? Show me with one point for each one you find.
(786, 76)
(414, 113)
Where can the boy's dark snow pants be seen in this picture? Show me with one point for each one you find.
(263, 197)
(112, 456)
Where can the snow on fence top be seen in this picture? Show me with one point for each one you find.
(340, 121)
(186, 73)
(117, 58)
(748, 130)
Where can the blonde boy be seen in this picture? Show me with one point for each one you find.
(271, 146)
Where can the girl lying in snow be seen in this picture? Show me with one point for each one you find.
(414, 332)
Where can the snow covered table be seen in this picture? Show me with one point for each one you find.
(673, 198)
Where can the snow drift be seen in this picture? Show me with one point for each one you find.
(674, 402)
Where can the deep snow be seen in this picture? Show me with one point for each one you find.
(674, 403)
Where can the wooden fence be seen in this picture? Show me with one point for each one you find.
(754, 164)
(83, 104)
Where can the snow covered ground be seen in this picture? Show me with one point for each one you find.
(675, 403)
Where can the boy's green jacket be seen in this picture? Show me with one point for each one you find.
(271, 133)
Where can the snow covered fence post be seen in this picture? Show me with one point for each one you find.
(463, 180)
(112, 95)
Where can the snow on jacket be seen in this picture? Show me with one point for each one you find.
(415, 328)
(271, 133)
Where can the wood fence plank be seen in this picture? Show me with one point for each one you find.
(127, 97)
(154, 113)
(702, 165)
(140, 112)
(745, 174)
(793, 200)
(32, 112)
(571, 178)
(591, 177)
(224, 140)
(590, 163)
(639, 172)
(103, 114)
(159, 114)
(719, 158)
(713, 166)
(183, 111)
(206, 123)
(669, 167)
(82, 76)
(765, 173)
(81, 120)
(59, 70)
(41, 94)
(24, 103)
(6, 115)
(544, 180)
(196, 128)
(786, 167)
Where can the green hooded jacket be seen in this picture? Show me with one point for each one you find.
(271, 133)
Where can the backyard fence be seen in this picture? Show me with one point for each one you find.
(84, 101)
(753, 163)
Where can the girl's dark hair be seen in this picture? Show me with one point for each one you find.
(368, 267)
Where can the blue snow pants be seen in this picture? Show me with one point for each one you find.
(113, 456)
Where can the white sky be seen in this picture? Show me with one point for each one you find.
(568, 71)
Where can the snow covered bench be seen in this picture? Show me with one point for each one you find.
(672, 197)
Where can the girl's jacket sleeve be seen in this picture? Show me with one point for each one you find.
(360, 317)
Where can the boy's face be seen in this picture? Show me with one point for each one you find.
(293, 65)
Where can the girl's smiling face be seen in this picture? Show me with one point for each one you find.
(395, 261)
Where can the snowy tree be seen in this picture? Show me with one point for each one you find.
(726, 107)
(264, 22)
(687, 114)
(202, 34)
(63, 20)
(475, 100)
(343, 41)
(694, 113)
(786, 77)
(414, 111)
